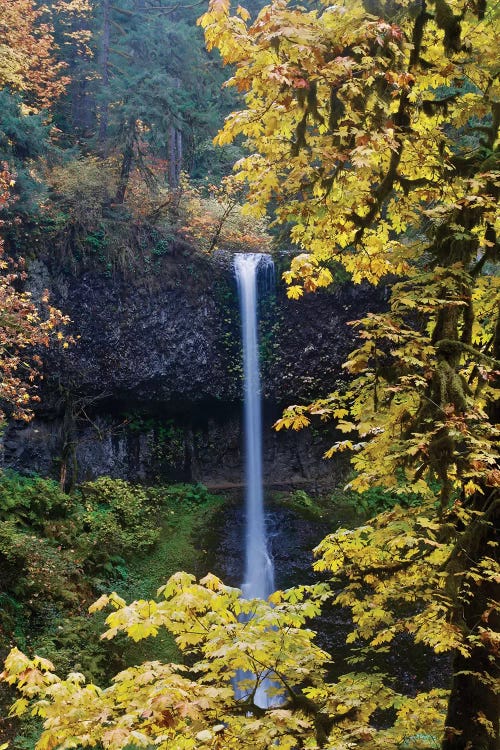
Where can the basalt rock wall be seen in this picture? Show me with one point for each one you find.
(150, 390)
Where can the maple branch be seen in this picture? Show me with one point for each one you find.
(491, 253)
(471, 542)
(385, 187)
(430, 106)
(401, 119)
(448, 22)
(322, 722)
(418, 35)
(452, 345)
(408, 184)
(392, 568)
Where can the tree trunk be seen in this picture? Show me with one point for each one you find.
(178, 163)
(471, 700)
(69, 467)
(104, 65)
(472, 721)
(174, 156)
(127, 160)
(174, 151)
(82, 107)
(473, 716)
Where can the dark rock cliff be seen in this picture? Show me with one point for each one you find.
(151, 388)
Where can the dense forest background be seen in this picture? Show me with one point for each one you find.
(111, 150)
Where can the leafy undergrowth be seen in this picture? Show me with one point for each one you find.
(343, 504)
(58, 552)
(187, 509)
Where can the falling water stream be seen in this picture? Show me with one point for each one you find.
(258, 581)
(255, 273)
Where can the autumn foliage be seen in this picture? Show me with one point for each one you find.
(172, 705)
(214, 218)
(27, 66)
(22, 328)
(27, 62)
(373, 131)
(373, 136)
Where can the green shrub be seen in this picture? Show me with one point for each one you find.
(117, 517)
(54, 565)
(73, 645)
(30, 501)
(36, 570)
(58, 551)
(377, 499)
(182, 494)
(301, 498)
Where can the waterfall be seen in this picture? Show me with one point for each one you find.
(258, 581)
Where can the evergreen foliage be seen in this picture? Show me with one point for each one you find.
(24, 140)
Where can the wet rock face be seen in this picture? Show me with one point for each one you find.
(291, 539)
(151, 389)
(314, 338)
(172, 340)
(140, 344)
(183, 448)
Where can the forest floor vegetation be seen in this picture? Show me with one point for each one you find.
(58, 552)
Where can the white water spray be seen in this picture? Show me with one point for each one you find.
(258, 579)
